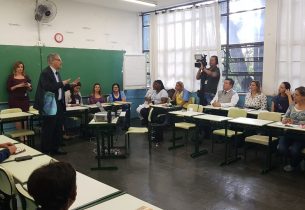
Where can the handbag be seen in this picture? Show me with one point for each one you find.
(49, 104)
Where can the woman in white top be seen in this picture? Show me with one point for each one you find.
(255, 99)
(73, 96)
(159, 96)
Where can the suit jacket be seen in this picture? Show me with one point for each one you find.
(47, 82)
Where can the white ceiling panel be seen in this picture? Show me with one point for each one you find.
(132, 7)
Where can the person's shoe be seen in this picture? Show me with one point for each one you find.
(288, 168)
(59, 152)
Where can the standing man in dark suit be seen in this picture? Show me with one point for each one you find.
(50, 81)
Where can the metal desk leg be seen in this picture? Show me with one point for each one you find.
(98, 150)
(197, 152)
(174, 141)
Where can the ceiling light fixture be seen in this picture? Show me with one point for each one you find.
(142, 2)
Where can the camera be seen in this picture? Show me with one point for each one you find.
(200, 58)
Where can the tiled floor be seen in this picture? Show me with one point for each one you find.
(173, 180)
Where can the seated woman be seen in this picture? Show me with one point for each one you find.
(147, 101)
(53, 186)
(255, 99)
(96, 94)
(292, 143)
(73, 96)
(281, 102)
(116, 94)
(158, 96)
(181, 96)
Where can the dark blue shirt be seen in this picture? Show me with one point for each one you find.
(281, 104)
(5, 153)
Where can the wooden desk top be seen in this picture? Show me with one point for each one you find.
(287, 127)
(4, 139)
(126, 202)
(210, 117)
(28, 151)
(186, 113)
(250, 121)
(23, 169)
(89, 190)
(9, 116)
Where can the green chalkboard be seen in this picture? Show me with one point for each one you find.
(8, 56)
(103, 66)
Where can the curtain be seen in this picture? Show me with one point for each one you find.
(176, 36)
(290, 53)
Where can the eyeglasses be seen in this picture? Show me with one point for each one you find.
(57, 59)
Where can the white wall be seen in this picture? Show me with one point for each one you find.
(82, 25)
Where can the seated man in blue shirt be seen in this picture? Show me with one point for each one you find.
(8, 150)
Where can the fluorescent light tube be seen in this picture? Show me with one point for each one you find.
(142, 2)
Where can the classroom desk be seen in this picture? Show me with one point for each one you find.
(185, 115)
(4, 139)
(104, 130)
(23, 169)
(207, 118)
(282, 126)
(247, 123)
(13, 117)
(90, 191)
(250, 121)
(82, 113)
(124, 202)
(28, 151)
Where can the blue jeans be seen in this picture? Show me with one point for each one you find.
(291, 145)
(206, 99)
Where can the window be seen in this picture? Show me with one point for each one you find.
(146, 32)
(146, 45)
(242, 39)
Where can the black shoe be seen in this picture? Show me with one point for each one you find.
(59, 152)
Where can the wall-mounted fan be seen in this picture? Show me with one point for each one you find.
(45, 11)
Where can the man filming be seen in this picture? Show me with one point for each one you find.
(209, 78)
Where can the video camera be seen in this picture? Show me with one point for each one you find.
(200, 58)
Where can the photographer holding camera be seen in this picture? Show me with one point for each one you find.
(209, 78)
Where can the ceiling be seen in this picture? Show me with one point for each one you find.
(132, 7)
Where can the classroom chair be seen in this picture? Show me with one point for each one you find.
(186, 126)
(226, 133)
(263, 140)
(27, 201)
(17, 134)
(139, 130)
(7, 186)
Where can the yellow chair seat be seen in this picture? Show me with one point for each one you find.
(19, 133)
(137, 130)
(222, 132)
(259, 139)
(185, 125)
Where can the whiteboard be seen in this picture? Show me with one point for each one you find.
(134, 72)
